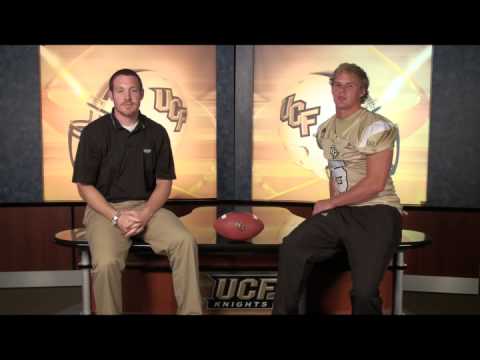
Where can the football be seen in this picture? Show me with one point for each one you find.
(237, 225)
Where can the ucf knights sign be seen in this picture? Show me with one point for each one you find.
(241, 290)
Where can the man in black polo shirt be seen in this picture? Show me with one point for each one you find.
(124, 170)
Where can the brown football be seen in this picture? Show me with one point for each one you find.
(237, 225)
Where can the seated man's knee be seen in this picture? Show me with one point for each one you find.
(289, 243)
(184, 239)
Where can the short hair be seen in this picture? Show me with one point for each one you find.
(353, 69)
(126, 72)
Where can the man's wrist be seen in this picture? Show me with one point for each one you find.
(115, 218)
(332, 202)
(148, 212)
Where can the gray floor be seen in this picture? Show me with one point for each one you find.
(41, 301)
(67, 300)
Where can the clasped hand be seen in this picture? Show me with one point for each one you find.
(132, 222)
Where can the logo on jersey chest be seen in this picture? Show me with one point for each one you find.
(333, 151)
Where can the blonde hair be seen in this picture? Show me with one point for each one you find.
(358, 71)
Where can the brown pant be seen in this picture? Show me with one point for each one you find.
(166, 234)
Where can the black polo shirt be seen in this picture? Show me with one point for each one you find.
(123, 165)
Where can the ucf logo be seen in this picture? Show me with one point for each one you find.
(297, 114)
(255, 291)
(240, 226)
(165, 102)
(333, 151)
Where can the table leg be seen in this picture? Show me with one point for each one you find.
(85, 262)
(398, 292)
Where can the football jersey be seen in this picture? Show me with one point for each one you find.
(347, 142)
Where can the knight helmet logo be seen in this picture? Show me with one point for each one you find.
(163, 102)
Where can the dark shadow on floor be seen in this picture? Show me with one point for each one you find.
(67, 300)
(438, 304)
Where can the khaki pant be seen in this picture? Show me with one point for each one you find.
(166, 234)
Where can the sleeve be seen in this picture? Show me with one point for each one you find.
(87, 160)
(320, 135)
(378, 136)
(165, 167)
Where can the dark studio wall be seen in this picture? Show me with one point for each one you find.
(454, 146)
(20, 132)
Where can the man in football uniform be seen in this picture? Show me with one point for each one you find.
(362, 215)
